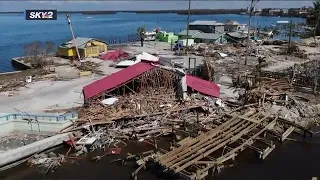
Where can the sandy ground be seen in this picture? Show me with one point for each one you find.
(42, 95)
(39, 96)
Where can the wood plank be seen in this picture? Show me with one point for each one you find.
(204, 154)
(196, 142)
(267, 151)
(205, 144)
(220, 159)
(287, 133)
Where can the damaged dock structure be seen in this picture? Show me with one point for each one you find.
(204, 155)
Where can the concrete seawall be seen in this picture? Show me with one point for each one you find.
(30, 149)
(19, 65)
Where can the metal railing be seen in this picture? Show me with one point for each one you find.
(123, 39)
(62, 117)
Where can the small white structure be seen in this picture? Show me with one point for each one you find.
(183, 42)
(28, 79)
(86, 141)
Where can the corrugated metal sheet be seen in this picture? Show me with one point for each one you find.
(81, 42)
(232, 22)
(191, 32)
(203, 86)
(211, 36)
(115, 80)
(206, 23)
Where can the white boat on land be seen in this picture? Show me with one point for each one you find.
(150, 36)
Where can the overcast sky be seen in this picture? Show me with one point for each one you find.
(6, 6)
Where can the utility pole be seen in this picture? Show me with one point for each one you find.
(248, 38)
(188, 27)
(290, 34)
(73, 38)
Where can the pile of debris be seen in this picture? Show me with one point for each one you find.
(12, 82)
(90, 66)
(135, 105)
(49, 162)
(218, 51)
(276, 97)
(294, 50)
(12, 85)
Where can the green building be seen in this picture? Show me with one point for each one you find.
(167, 37)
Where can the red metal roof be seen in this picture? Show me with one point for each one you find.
(114, 55)
(203, 86)
(116, 79)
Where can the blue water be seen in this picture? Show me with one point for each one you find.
(15, 31)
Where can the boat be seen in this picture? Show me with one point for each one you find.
(89, 17)
(150, 36)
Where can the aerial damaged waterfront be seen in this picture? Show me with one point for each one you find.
(215, 100)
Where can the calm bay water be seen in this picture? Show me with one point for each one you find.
(15, 31)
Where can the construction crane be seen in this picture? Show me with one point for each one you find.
(73, 39)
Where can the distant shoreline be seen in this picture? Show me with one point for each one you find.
(179, 12)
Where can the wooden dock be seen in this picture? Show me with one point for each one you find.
(194, 158)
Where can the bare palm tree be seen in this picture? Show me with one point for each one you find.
(316, 6)
(141, 32)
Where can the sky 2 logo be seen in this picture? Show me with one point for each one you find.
(41, 14)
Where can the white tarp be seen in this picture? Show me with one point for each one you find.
(109, 101)
(223, 55)
(143, 56)
(147, 57)
(126, 63)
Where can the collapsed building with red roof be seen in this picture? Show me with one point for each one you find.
(140, 77)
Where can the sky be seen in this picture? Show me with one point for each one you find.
(14, 5)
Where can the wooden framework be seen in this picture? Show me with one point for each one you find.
(156, 78)
(302, 75)
(194, 158)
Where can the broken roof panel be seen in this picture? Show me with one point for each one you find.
(114, 55)
(203, 86)
(116, 80)
(147, 57)
(237, 35)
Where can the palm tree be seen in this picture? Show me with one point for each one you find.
(316, 6)
(141, 31)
